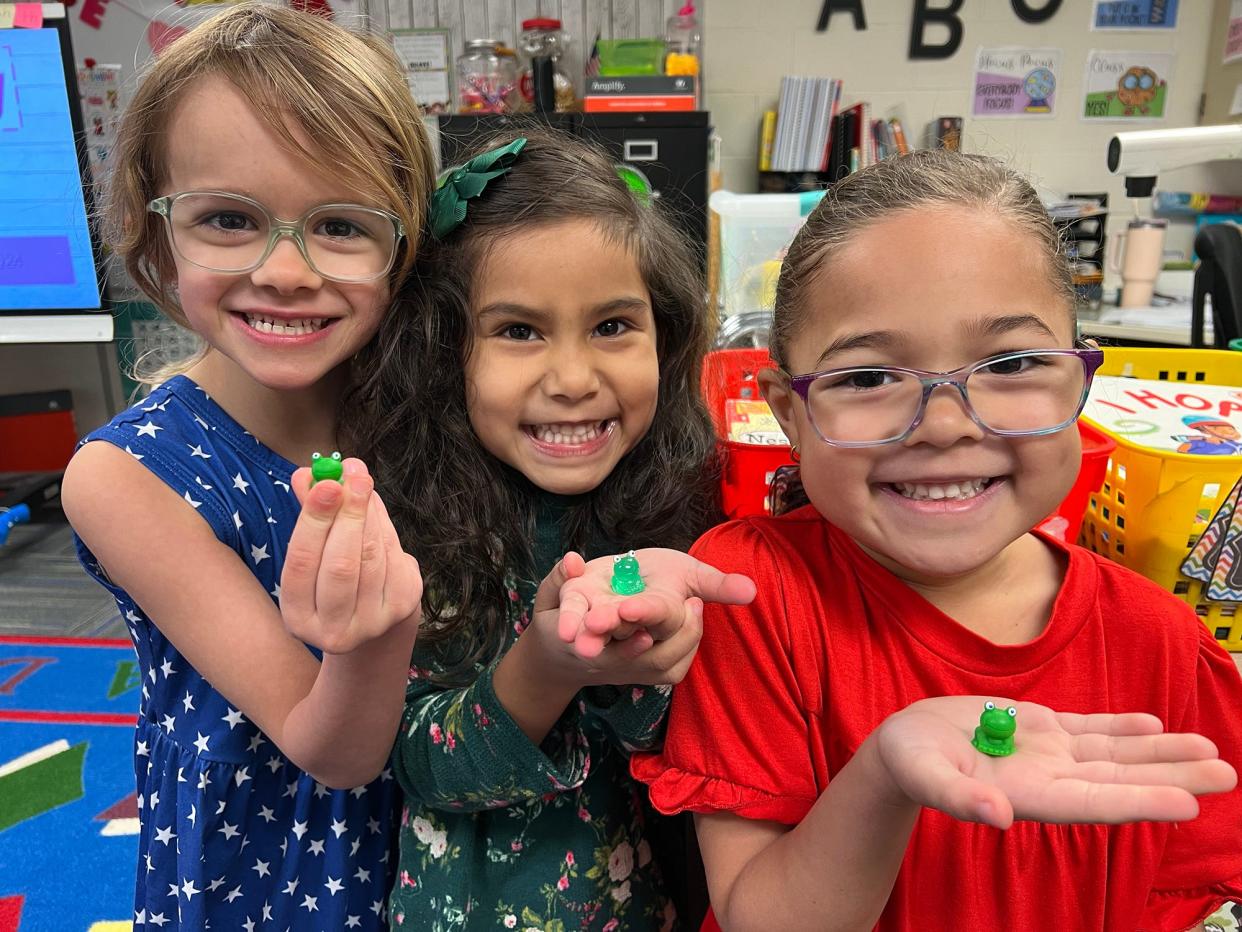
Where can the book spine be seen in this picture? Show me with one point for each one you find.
(899, 136)
(767, 140)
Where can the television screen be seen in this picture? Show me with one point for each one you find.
(47, 259)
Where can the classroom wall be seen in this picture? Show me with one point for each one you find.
(1221, 81)
(750, 45)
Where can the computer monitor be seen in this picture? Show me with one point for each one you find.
(49, 253)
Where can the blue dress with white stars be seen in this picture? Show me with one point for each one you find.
(233, 835)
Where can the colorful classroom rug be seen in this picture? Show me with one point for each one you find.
(68, 810)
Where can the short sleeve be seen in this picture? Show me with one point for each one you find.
(738, 737)
(1202, 864)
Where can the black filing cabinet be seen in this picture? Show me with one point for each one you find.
(669, 148)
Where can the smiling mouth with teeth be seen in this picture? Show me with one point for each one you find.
(290, 328)
(569, 435)
(919, 491)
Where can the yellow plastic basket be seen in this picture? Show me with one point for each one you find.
(1153, 505)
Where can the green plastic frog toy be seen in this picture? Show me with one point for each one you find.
(994, 736)
(325, 467)
(625, 576)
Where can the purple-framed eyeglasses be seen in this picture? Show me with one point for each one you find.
(1021, 394)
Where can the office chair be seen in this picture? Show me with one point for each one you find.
(1219, 246)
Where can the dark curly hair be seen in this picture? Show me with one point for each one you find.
(467, 516)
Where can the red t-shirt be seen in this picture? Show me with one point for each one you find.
(783, 692)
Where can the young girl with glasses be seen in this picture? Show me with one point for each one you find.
(273, 622)
(540, 395)
(835, 738)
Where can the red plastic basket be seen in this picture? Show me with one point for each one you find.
(748, 467)
(1097, 447)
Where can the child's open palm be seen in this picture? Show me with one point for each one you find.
(592, 616)
(346, 580)
(1065, 767)
(586, 635)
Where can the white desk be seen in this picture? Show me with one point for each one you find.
(1122, 331)
(57, 328)
(1169, 324)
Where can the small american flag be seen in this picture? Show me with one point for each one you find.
(591, 69)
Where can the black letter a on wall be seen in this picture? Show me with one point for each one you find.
(842, 6)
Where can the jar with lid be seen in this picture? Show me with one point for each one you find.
(543, 37)
(486, 79)
(683, 42)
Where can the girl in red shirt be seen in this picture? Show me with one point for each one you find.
(930, 380)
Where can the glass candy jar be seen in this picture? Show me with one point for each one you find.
(543, 37)
(486, 79)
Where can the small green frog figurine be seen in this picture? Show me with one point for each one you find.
(625, 576)
(994, 736)
(325, 467)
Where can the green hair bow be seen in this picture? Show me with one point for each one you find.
(459, 185)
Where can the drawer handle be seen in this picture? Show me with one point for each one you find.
(641, 150)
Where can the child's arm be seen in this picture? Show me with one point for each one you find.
(514, 734)
(336, 719)
(1066, 768)
(1202, 863)
(573, 643)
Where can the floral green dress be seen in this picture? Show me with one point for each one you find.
(497, 833)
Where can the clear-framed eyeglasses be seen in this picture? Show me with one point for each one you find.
(1021, 394)
(231, 233)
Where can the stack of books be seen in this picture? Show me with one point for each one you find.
(808, 132)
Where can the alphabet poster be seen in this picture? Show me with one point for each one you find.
(1178, 417)
(1134, 14)
(1016, 82)
(1126, 86)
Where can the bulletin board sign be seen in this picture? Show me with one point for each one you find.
(1126, 86)
(1134, 14)
(424, 53)
(1233, 35)
(1016, 82)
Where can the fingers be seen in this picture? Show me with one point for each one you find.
(300, 575)
(1075, 800)
(572, 616)
(301, 483)
(711, 585)
(343, 553)
(1142, 749)
(1126, 723)
(1198, 777)
(373, 570)
(548, 596)
(403, 585)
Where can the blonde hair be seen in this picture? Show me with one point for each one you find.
(926, 178)
(345, 91)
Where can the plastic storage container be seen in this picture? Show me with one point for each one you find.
(755, 232)
(748, 467)
(621, 57)
(1154, 505)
